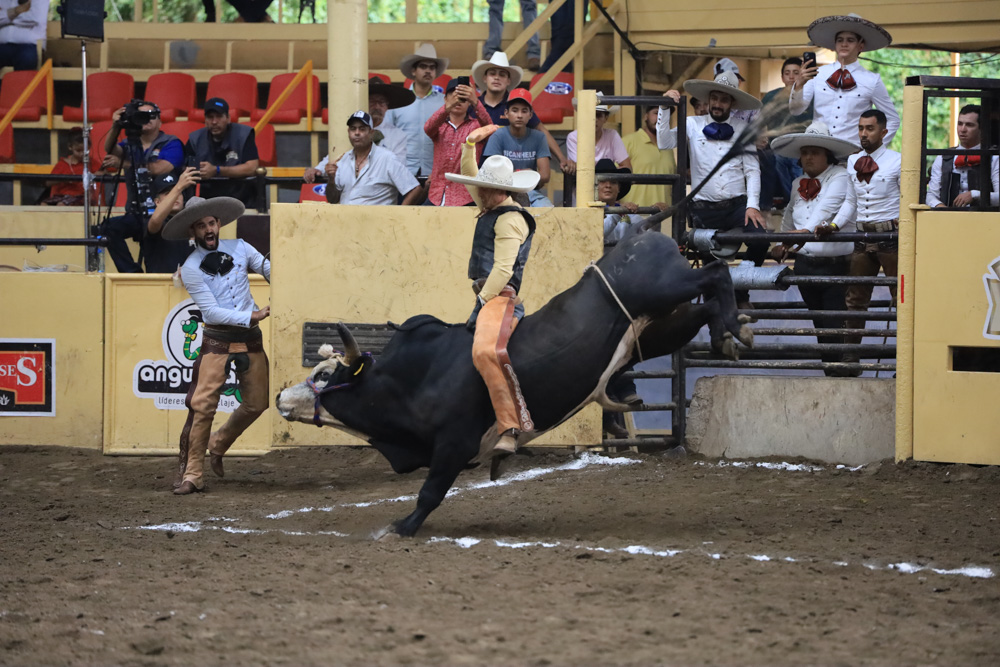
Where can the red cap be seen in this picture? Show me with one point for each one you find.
(522, 94)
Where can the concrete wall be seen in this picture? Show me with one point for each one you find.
(836, 420)
(372, 264)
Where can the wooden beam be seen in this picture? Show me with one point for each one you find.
(588, 34)
(522, 39)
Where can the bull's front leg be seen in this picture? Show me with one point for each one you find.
(448, 460)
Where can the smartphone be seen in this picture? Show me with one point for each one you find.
(807, 57)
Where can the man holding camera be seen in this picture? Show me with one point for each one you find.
(224, 150)
(157, 153)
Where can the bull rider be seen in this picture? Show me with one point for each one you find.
(500, 247)
(216, 275)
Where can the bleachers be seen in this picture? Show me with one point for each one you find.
(13, 84)
(173, 92)
(106, 93)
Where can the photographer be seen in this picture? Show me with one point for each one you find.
(157, 154)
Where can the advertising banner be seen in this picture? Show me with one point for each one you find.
(27, 377)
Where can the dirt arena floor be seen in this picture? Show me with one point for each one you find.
(592, 560)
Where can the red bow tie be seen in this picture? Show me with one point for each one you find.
(842, 79)
(962, 161)
(809, 188)
(865, 167)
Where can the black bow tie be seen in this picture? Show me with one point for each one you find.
(217, 264)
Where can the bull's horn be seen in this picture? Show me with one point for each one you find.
(351, 349)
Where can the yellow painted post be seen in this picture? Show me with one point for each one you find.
(956, 68)
(628, 85)
(586, 120)
(347, 65)
(909, 186)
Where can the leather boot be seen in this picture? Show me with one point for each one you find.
(501, 453)
(216, 463)
(186, 488)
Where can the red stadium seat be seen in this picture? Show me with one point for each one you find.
(11, 87)
(173, 92)
(7, 145)
(312, 192)
(238, 89)
(294, 108)
(266, 149)
(182, 129)
(98, 133)
(555, 103)
(107, 92)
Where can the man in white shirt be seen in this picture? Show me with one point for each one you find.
(955, 180)
(368, 174)
(423, 67)
(731, 199)
(872, 204)
(216, 275)
(816, 198)
(382, 97)
(840, 91)
(22, 28)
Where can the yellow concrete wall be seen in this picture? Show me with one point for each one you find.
(954, 418)
(373, 264)
(67, 308)
(137, 307)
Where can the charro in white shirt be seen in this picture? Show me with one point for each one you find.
(934, 185)
(225, 299)
(876, 201)
(809, 214)
(841, 109)
(740, 176)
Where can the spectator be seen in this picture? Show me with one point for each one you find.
(382, 97)
(872, 203)
(162, 255)
(730, 199)
(529, 11)
(368, 174)
(495, 77)
(163, 153)
(448, 128)
(252, 11)
(699, 107)
(524, 147)
(844, 89)
(611, 193)
(816, 200)
(778, 177)
(22, 29)
(423, 67)
(607, 143)
(225, 150)
(647, 158)
(70, 193)
(955, 180)
(727, 65)
(563, 34)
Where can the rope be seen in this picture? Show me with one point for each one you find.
(621, 305)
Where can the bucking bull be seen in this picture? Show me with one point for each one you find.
(424, 403)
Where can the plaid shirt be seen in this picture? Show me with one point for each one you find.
(448, 141)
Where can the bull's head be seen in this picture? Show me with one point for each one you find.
(302, 402)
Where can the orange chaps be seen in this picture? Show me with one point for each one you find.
(494, 325)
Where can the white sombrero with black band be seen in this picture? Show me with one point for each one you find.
(727, 83)
(497, 61)
(226, 209)
(823, 32)
(817, 134)
(498, 172)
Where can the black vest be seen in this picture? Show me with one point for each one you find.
(481, 261)
(226, 153)
(951, 183)
(158, 143)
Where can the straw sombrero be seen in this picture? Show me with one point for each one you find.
(424, 52)
(817, 134)
(727, 83)
(823, 32)
(497, 61)
(226, 209)
(498, 172)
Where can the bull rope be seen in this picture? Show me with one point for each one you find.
(635, 329)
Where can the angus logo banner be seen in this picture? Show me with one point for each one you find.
(27, 377)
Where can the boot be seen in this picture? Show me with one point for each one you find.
(506, 446)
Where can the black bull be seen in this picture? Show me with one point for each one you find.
(424, 403)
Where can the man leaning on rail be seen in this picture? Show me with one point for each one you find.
(954, 180)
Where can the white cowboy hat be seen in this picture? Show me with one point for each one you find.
(817, 134)
(497, 61)
(498, 172)
(727, 83)
(600, 106)
(226, 209)
(823, 31)
(423, 52)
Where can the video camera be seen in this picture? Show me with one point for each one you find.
(133, 119)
